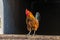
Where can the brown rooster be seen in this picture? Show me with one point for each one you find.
(32, 22)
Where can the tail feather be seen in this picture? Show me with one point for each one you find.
(37, 16)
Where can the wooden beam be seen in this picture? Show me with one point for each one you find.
(25, 37)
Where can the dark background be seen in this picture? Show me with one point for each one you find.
(14, 16)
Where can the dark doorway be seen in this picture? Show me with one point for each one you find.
(14, 16)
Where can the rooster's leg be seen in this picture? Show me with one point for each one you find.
(34, 33)
(29, 33)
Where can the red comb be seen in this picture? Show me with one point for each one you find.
(27, 12)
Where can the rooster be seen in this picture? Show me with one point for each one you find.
(32, 22)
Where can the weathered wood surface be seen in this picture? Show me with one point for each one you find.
(24, 37)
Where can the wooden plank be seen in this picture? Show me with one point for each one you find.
(25, 37)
